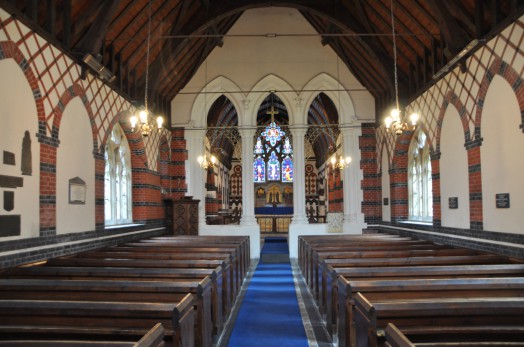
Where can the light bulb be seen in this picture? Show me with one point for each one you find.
(213, 159)
(388, 122)
(348, 160)
(395, 114)
(133, 120)
(200, 159)
(414, 118)
(333, 160)
(143, 116)
(159, 122)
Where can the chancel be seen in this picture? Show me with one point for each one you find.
(332, 173)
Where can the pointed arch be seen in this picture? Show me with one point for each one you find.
(210, 93)
(332, 88)
(269, 83)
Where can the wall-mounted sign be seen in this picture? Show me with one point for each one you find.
(386, 201)
(9, 158)
(9, 200)
(502, 200)
(453, 203)
(77, 191)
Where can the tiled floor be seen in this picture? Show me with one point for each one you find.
(315, 328)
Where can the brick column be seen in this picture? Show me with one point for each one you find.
(371, 183)
(48, 149)
(475, 185)
(100, 164)
(177, 167)
(398, 174)
(435, 182)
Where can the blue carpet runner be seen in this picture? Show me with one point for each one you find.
(269, 315)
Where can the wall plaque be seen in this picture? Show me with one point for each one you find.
(9, 225)
(386, 201)
(9, 158)
(502, 200)
(77, 191)
(11, 181)
(453, 203)
(9, 200)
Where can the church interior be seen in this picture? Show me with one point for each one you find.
(261, 173)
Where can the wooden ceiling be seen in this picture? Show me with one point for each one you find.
(429, 34)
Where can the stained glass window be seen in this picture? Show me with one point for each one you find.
(273, 134)
(259, 170)
(287, 147)
(273, 167)
(287, 169)
(273, 154)
(258, 147)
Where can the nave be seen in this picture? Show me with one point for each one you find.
(275, 306)
(356, 290)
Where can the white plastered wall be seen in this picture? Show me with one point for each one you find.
(249, 66)
(502, 159)
(18, 114)
(75, 159)
(454, 180)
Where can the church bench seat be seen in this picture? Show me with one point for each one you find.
(427, 288)
(118, 291)
(233, 274)
(240, 242)
(101, 319)
(36, 338)
(237, 271)
(372, 317)
(321, 280)
(221, 304)
(488, 335)
(219, 308)
(323, 283)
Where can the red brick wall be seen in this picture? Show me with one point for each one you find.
(371, 183)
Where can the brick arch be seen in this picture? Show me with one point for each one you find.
(48, 145)
(453, 99)
(503, 69)
(134, 139)
(70, 93)
(9, 50)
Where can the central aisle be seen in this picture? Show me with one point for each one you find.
(269, 314)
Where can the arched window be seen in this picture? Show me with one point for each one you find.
(273, 156)
(117, 179)
(419, 179)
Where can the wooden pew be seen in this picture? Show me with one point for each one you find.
(512, 336)
(221, 304)
(242, 241)
(153, 338)
(101, 319)
(238, 267)
(325, 260)
(118, 291)
(323, 284)
(340, 277)
(219, 308)
(233, 269)
(371, 317)
(416, 289)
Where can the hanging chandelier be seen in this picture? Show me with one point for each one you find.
(145, 121)
(206, 163)
(338, 162)
(394, 122)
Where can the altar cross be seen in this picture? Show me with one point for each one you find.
(273, 112)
